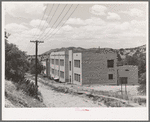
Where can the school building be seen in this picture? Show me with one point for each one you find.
(86, 67)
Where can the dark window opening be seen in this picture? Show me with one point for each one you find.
(70, 78)
(110, 76)
(52, 61)
(77, 63)
(61, 74)
(61, 62)
(70, 65)
(76, 77)
(110, 63)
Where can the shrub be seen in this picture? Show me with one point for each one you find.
(40, 67)
(142, 81)
(29, 87)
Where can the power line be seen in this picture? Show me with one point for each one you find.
(52, 17)
(57, 19)
(47, 17)
(63, 23)
(61, 20)
(42, 19)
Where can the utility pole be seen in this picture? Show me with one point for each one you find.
(36, 53)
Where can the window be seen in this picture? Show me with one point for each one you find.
(77, 63)
(76, 77)
(55, 72)
(58, 72)
(126, 70)
(70, 65)
(52, 61)
(110, 76)
(56, 61)
(61, 74)
(123, 80)
(61, 62)
(52, 71)
(110, 63)
(70, 78)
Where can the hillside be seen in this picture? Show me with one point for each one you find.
(127, 56)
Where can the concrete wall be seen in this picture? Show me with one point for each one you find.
(77, 56)
(45, 71)
(70, 72)
(47, 67)
(59, 55)
(95, 70)
(129, 71)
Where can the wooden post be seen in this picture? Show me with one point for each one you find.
(36, 53)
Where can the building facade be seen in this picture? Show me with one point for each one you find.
(128, 74)
(59, 66)
(84, 67)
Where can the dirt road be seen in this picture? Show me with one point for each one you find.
(53, 98)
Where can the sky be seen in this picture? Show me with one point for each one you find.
(106, 25)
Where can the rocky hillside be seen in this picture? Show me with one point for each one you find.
(127, 56)
(131, 51)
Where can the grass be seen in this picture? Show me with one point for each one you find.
(19, 98)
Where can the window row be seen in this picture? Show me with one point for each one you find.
(57, 62)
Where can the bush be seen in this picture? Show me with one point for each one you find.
(142, 81)
(29, 87)
(40, 67)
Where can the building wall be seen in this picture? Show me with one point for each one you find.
(45, 71)
(52, 66)
(76, 70)
(70, 71)
(62, 55)
(66, 63)
(47, 67)
(95, 70)
(129, 71)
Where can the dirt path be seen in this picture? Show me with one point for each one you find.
(52, 98)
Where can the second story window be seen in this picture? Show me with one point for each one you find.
(52, 61)
(70, 65)
(110, 63)
(77, 63)
(57, 61)
(61, 62)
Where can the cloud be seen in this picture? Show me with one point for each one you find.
(98, 10)
(75, 21)
(113, 16)
(91, 21)
(15, 28)
(39, 23)
(25, 10)
(134, 12)
(67, 28)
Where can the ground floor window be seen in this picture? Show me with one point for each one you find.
(110, 76)
(52, 71)
(70, 78)
(76, 77)
(61, 74)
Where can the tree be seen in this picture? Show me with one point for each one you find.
(16, 64)
(40, 67)
(142, 81)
